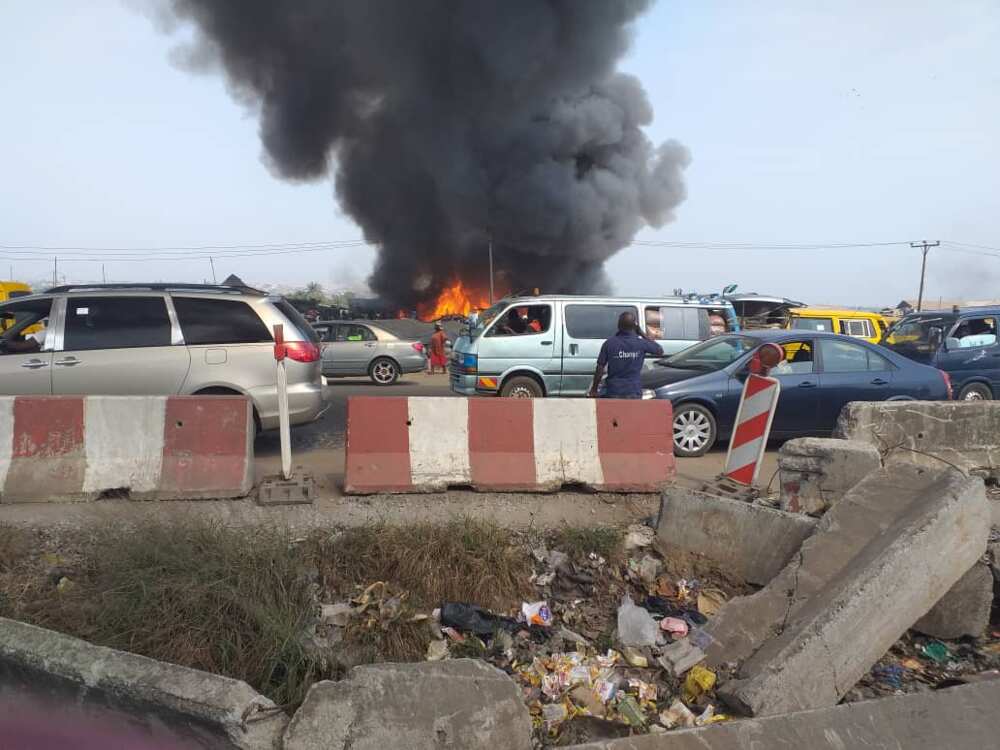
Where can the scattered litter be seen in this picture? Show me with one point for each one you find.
(437, 650)
(636, 627)
(638, 536)
(589, 701)
(649, 570)
(890, 674)
(708, 716)
(65, 584)
(645, 690)
(665, 588)
(698, 682)
(710, 601)
(468, 618)
(630, 711)
(635, 657)
(536, 613)
(676, 627)
(678, 715)
(555, 714)
(936, 651)
(914, 665)
(453, 634)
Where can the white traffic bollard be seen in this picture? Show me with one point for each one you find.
(284, 428)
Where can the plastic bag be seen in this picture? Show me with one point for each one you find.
(636, 627)
(676, 627)
(536, 613)
(698, 681)
(468, 618)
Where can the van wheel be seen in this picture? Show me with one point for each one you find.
(976, 392)
(694, 430)
(384, 371)
(521, 387)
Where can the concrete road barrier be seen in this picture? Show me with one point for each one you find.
(426, 444)
(964, 433)
(73, 448)
(159, 704)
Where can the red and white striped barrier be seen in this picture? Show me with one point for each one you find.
(753, 425)
(70, 448)
(428, 444)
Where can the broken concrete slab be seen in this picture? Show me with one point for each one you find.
(751, 542)
(959, 718)
(872, 569)
(169, 703)
(816, 472)
(964, 610)
(963, 433)
(463, 703)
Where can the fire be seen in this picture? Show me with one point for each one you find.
(454, 300)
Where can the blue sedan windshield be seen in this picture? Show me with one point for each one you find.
(712, 355)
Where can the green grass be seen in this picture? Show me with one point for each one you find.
(579, 541)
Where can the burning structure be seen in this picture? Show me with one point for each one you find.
(446, 126)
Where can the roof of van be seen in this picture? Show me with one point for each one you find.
(673, 300)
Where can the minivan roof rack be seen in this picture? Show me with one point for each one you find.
(159, 287)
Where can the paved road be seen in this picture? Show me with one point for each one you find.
(318, 448)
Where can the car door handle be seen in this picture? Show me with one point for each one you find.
(34, 364)
(549, 343)
(574, 348)
(880, 381)
(370, 345)
(67, 362)
(807, 384)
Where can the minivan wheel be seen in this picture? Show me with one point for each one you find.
(976, 392)
(694, 430)
(521, 387)
(384, 371)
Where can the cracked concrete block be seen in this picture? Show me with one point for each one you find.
(964, 610)
(171, 706)
(930, 433)
(752, 542)
(872, 569)
(460, 703)
(816, 472)
(959, 718)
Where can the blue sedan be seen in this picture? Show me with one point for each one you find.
(820, 372)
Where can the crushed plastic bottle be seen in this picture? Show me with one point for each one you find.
(636, 627)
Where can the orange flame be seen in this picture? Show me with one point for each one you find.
(454, 300)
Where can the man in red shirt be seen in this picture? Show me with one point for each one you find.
(437, 356)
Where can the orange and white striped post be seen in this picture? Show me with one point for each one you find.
(753, 418)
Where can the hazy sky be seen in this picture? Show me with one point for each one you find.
(808, 122)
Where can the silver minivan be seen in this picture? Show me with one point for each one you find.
(527, 347)
(161, 339)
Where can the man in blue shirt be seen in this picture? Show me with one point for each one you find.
(622, 356)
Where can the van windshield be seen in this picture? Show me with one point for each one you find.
(918, 337)
(486, 317)
(711, 355)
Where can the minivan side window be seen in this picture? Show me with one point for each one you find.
(859, 328)
(523, 320)
(115, 323)
(594, 321)
(219, 321)
(813, 324)
(677, 323)
(974, 332)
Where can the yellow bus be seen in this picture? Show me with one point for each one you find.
(12, 290)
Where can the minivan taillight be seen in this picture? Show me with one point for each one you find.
(947, 384)
(302, 351)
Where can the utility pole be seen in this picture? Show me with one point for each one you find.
(55, 271)
(104, 276)
(491, 270)
(212, 261)
(923, 267)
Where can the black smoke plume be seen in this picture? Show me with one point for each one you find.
(447, 122)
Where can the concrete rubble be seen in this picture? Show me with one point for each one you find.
(928, 432)
(964, 610)
(873, 567)
(960, 718)
(813, 473)
(463, 703)
(751, 542)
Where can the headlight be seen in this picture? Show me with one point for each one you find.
(648, 394)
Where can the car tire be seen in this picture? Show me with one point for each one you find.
(976, 392)
(694, 430)
(384, 371)
(522, 387)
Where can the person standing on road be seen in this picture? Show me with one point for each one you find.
(437, 357)
(622, 356)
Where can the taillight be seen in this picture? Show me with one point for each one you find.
(417, 346)
(302, 351)
(947, 384)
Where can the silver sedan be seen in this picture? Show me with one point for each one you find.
(360, 348)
